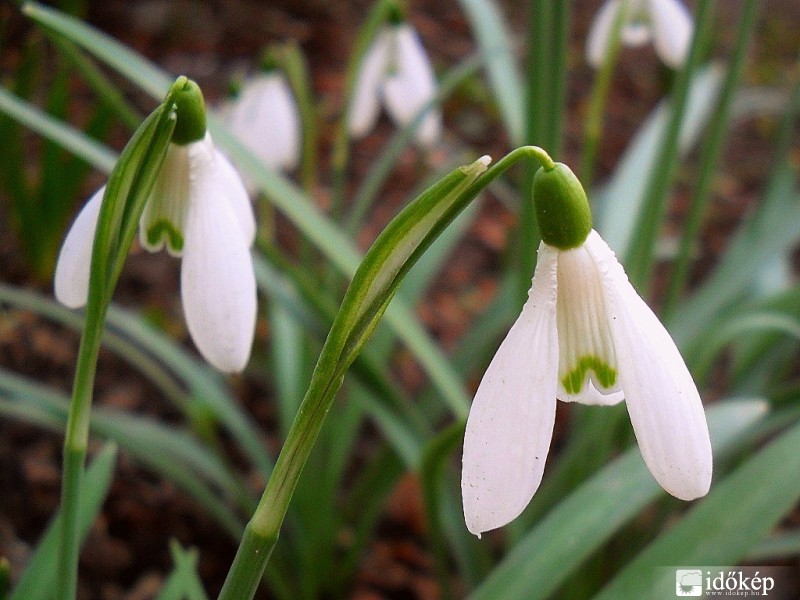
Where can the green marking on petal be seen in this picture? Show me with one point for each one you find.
(164, 229)
(604, 374)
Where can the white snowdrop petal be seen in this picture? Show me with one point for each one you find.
(587, 368)
(600, 32)
(662, 400)
(411, 85)
(365, 105)
(635, 33)
(287, 125)
(510, 424)
(265, 119)
(672, 30)
(217, 281)
(161, 223)
(71, 280)
(238, 197)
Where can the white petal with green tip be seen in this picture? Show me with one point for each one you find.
(587, 370)
(161, 224)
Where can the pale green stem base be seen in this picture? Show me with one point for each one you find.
(74, 460)
(248, 565)
(76, 440)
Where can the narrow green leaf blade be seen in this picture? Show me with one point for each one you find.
(618, 204)
(720, 529)
(59, 132)
(121, 58)
(495, 41)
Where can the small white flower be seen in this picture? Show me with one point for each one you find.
(396, 70)
(584, 335)
(198, 209)
(666, 22)
(264, 117)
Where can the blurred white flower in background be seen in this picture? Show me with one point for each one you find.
(666, 22)
(265, 119)
(396, 71)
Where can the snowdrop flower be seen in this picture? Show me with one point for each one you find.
(584, 335)
(666, 22)
(264, 117)
(198, 210)
(396, 70)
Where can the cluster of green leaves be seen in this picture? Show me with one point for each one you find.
(594, 494)
(40, 204)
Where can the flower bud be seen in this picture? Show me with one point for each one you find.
(396, 14)
(562, 209)
(191, 112)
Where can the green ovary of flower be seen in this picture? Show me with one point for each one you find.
(604, 374)
(163, 229)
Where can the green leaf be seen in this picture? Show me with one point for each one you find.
(402, 422)
(775, 547)
(38, 579)
(588, 517)
(65, 135)
(116, 55)
(724, 526)
(433, 473)
(496, 45)
(288, 346)
(640, 254)
(205, 384)
(619, 202)
(744, 325)
(770, 231)
(184, 582)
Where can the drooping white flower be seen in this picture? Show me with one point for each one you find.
(666, 22)
(200, 210)
(264, 117)
(584, 335)
(397, 72)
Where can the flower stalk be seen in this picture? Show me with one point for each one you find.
(593, 125)
(129, 186)
(369, 294)
(394, 252)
